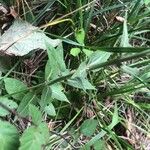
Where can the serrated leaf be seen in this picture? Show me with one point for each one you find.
(46, 97)
(57, 93)
(34, 137)
(88, 127)
(75, 51)
(24, 39)
(9, 136)
(80, 36)
(13, 86)
(28, 99)
(50, 110)
(9, 103)
(35, 114)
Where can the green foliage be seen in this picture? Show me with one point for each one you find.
(80, 36)
(89, 87)
(146, 2)
(57, 92)
(15, 86)
(28, 99)
(75, 51)
(34, 137)
(9, 103)
(9, 136)
(45, 97)
(50, 110)
(35, 114)
(88, 127)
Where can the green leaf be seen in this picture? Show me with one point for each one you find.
(55, 65)
(75, 51)
(125, 38)
(81, 83)
(13, 86)
(48, 71)
(46, 97)
(146, 2)
(57, 93)
(81, 71)
(115, 118)
(80, 36)
(28, 99)
(9, 136)
(130, 70)
(9, 103)
(144, 106)
(35, 114)
(87, 52)
(97, 57)
(88, 127)
(115, 121)
(50, 110)
(24, 39)
(79, 78)
(145, 76)
(34, 137)
(99, 145)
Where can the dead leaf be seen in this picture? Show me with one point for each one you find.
(22, 38)
(120, 19)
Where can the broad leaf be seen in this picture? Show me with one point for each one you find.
(50, 110)
(81, 71)
(97, 58)
(24, 39)
(81, 83)
(35, 114)
(55, 65)
(99, 145)
(87, 52)
(46, 97)
(9, 103)
(57, 93)
(9, 136)
(15, 86)
(34, 137)
(88, 127)
(75, 51)
(80, 36)
(79, 78)
(28, 99)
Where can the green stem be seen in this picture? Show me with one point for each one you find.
(90, 68)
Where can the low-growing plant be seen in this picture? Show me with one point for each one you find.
(74, 75)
